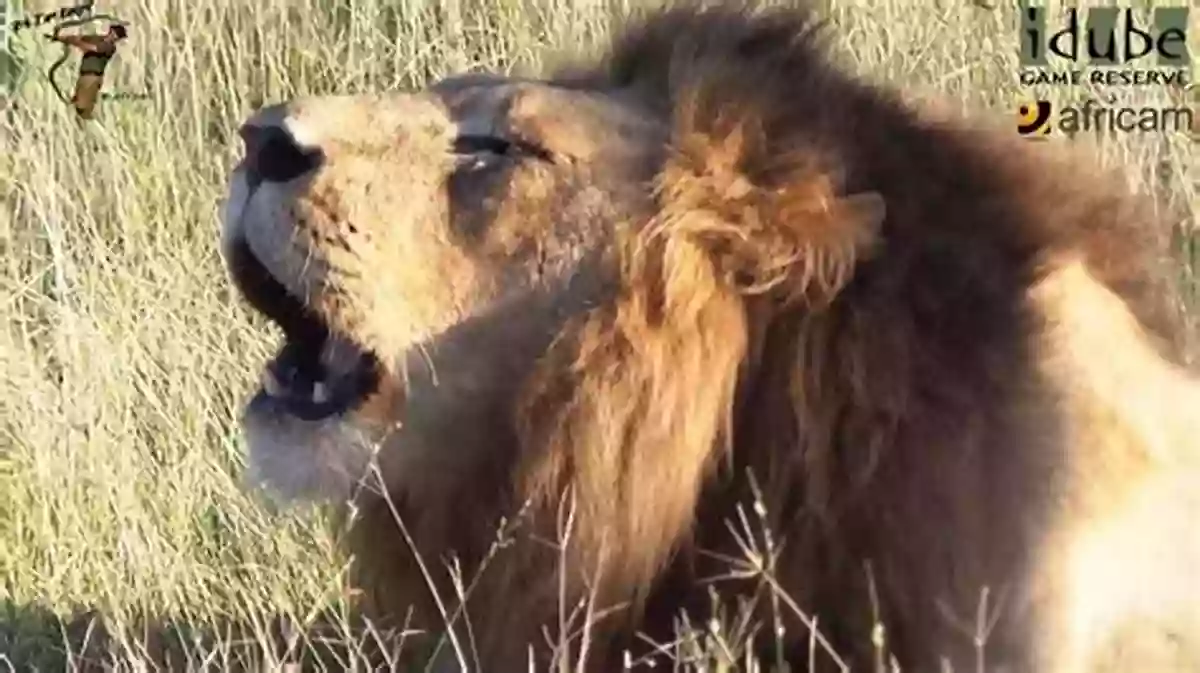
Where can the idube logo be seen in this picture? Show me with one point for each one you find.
(1105, 46)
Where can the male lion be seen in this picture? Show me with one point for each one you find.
(711, 319)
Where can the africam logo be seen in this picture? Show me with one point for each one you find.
(96, 51)
(1036, 119)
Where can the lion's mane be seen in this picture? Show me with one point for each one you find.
(827, 337)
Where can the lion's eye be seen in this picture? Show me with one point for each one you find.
(481, 146)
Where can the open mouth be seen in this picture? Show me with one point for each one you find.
(318, 373)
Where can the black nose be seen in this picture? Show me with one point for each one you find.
(272, 155)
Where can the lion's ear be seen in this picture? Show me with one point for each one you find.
(768, 224)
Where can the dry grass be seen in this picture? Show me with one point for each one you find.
(124, 358)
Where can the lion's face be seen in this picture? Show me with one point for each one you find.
(375, 230)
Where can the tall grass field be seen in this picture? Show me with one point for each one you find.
(127, 541)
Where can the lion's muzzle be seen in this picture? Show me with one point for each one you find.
(318, 373)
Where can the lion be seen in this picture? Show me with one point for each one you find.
(707, 329)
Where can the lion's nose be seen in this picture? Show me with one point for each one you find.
(272, 155)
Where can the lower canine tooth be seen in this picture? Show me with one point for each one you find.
(320, 394)
(338, 355)
(270, 384)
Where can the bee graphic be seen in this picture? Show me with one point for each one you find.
(1033, 119)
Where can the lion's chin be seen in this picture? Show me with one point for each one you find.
(306, 435)
(306, 431)
(293, 461)
(305, 439)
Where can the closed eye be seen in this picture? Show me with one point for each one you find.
(474, 145)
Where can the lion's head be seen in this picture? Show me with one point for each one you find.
(383, 233)
(708, 270)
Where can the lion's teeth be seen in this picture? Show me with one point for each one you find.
(338, 355)
(320, 393)
(270, 384)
